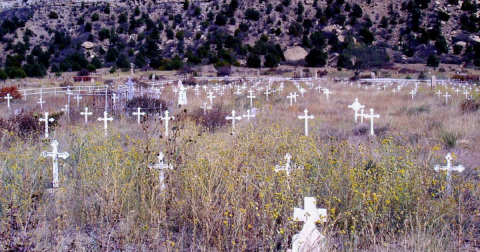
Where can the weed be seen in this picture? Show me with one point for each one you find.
(212, 119)
(449, 139)
(468, 106)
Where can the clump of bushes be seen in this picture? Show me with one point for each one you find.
(148, 104)
(12, 90)
(212, 119)
(470, 105)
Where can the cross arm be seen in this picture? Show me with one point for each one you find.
(63, 155)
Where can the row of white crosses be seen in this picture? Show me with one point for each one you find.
(357, 106)
(234, 118)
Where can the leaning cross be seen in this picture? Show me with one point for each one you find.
(55, 155)
(309, 237)
(105, 120)
(371, 116)
(166, 118)
(356, 106)
(41, 102)
(233, 118)
(160, 166)
(8, 98)
(46, 120)
(449, 168)
(86, 114)
(306, 117)
(138, 114)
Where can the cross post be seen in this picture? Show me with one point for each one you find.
(46, 120)
(166, 119)
(86, 114)
(105, 120)
(356, 106)
(138, 114)
(371, 116)
(449, 168)
(306, 117)
(55, 155)
(233, 118)
(8, 98)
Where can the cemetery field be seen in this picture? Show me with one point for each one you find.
(211, 180)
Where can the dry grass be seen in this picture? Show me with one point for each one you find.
(381, 193)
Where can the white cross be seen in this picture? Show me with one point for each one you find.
(327, 93)
(306, 117)
(285, 167)
(114, 99)
(449, 168)
(446, 95)
(251, 97)
(138, 114)
(318, 88)
(302, 90)
(457, 90)
(293, 96)
(205, 107)
(267, 92)
(41, 102)
(371, 116)
(309, 237)
(55, 155)
(8, 98)
(105, 120)
(210, 97)
(413, 92)
(233, 118)
(439, 93)
(46, 120)
(248, 115)
(160, 166)
(86, 114)
(78, 98)
(166, 119)
(356, 106)
(65, 109)
(466, 93)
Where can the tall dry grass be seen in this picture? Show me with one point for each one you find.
(381, 193)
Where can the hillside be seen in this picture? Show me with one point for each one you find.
(38, 37)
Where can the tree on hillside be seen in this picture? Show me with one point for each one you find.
(316, 58)
(366, 58)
